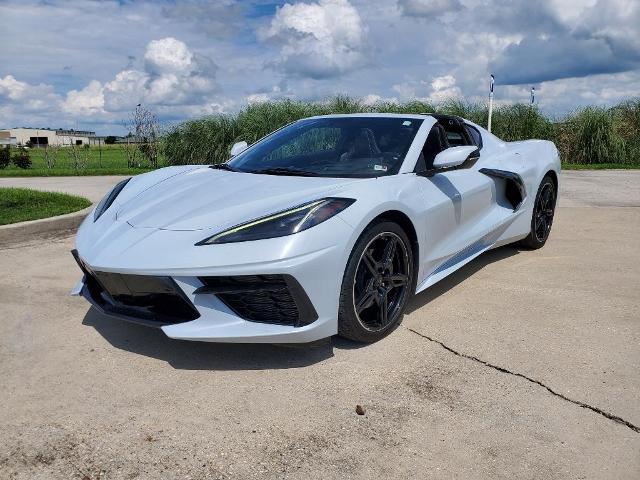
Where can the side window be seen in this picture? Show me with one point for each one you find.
(455, 132)
(436, 142)
(475, 136)
(455, 139)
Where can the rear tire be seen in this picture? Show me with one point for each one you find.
(378, 281)
(542, 217)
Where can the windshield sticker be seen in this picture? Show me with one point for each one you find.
(382, 168)
(406, 123)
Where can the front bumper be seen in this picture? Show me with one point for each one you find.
(231, 296)
(148, 300)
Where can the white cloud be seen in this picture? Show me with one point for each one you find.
(168, 55)
(318, 40)
(158, 54)
(372, 99)
(258, 98)
(175, 82)
(88, 101)
(444, 88)
(126, 90)
(411, 90)
(173, 76)
(440, 88)
(26, 96)
(13, 89)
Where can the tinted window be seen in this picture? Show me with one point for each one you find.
(333, 147)
(314, 140)
(475, 135)
(455, 139)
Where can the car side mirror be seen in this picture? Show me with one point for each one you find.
(453, 157)
(238, 148)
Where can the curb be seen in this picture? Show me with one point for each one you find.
(22, 232)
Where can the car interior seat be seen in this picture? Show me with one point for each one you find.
(436, 142)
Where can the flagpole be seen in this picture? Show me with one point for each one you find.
(490, 102)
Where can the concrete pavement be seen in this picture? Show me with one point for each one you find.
(522, 365)
(93, 188)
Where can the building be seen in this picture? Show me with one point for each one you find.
(97, 140)
(42, 137)
(6, 138)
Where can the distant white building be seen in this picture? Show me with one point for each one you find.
(42, 137)
(6, 138)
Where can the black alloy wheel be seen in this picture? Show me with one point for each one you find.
(543, 211)
(380, 281)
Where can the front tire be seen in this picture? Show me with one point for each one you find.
(543, 212)
(378, 282)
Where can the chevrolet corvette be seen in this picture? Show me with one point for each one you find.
(326, 226)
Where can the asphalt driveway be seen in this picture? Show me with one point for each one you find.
(521, 365)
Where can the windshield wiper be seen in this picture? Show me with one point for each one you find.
(287, 171)
(223, 166)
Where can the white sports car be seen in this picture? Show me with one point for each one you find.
(326, 226)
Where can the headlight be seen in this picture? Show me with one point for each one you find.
(283, 223)
(108, 199)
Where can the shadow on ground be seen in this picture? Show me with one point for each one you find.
(453, 280)
(188, 355)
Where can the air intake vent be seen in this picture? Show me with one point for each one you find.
(275, 299)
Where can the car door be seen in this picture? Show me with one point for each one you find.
(458, 201)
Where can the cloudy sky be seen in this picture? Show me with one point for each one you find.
(86, 64)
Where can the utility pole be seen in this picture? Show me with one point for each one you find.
(490, 101)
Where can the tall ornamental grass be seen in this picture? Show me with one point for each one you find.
(591, 135)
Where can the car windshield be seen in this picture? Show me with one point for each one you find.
(332, 147)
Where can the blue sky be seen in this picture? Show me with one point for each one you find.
(86, 64)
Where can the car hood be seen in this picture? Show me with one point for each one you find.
(207, 198)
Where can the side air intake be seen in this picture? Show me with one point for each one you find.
(514, 190)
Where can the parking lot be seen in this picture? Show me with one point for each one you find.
(521, 365)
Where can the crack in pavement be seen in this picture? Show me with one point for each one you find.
(597, 410)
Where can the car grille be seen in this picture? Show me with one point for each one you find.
(275, 299)
(146, 299)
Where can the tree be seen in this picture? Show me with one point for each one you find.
(143, 139)
(5, 156)
(110, 140)
(77, 155)
(21, 158)
(50, 155)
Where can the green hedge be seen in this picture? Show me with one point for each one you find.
(592, 135)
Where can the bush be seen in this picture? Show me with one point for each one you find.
(110, 140)
(5, 157)
(626, 124)
(521, 122)
(21, 158)
(591, 135)
(588, 137)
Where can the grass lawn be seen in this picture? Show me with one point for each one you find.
(21, 204)
(601, 166)
(108, 160)
(111, 160)
(70, 172)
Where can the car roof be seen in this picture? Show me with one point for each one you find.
(365, 115)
